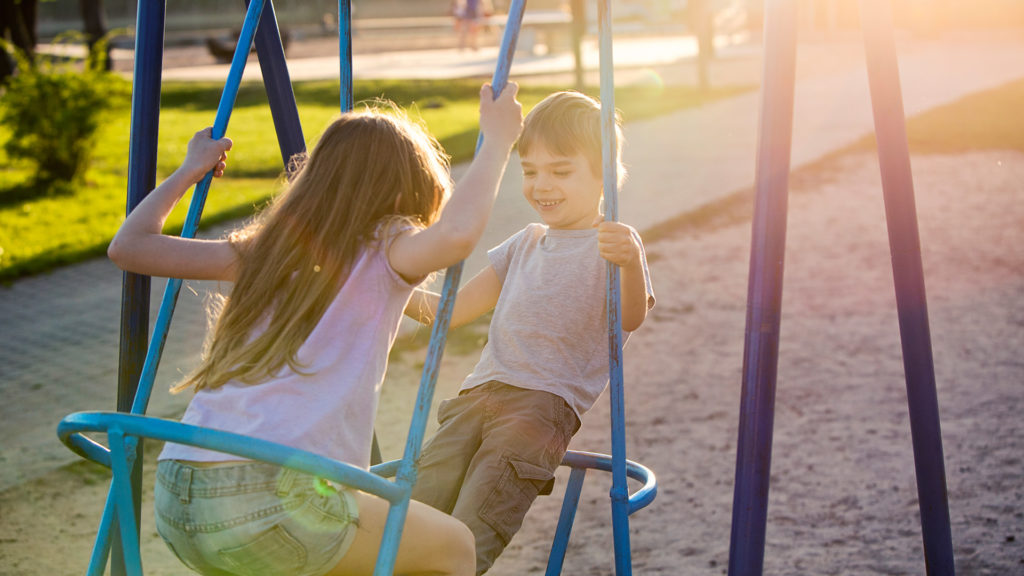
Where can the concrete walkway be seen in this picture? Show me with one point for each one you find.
(59, 337)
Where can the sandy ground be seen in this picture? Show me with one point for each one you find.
(843, 497)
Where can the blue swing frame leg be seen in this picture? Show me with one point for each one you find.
(142, 155)
(753, 460)
(278, 84)
(908, 276)
(764, 297)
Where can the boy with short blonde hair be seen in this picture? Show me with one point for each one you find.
(546, 359)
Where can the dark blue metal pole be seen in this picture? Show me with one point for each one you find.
(764, 296)
(135, 293)
(278, 84)
(620, 490)
(406, 475)
(908, 274)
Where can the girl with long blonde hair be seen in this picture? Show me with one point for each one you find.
(298, 350)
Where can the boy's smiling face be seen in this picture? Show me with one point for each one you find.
(563, 190)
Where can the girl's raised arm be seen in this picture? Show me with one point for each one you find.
(140, 245)
(452, 238)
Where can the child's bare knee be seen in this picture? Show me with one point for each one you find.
(461, 550)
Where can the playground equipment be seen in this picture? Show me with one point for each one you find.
(764, 300)
(119, 524)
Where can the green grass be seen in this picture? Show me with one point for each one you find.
(43, 229)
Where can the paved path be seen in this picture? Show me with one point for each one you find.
(59, 336)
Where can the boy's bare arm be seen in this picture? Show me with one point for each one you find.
(634, 295)
(620, 244)
(475, 299)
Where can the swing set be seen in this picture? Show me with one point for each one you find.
(119, 525)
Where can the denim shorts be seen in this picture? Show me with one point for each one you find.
(252, 518)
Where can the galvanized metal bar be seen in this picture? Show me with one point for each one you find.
(406, 475)
(570, 502)
(764, 296)
(908, 274)
(613, 306)
(278, 84)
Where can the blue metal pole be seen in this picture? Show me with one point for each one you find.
(908, 274)
(570, 502)
(121, 462)
(345, 53)
(406, 475)
(142, 148)
(619, 491)
(764, 296)
(278, 84)
(101, 548)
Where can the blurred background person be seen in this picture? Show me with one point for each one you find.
(469, 16)
(17, 26)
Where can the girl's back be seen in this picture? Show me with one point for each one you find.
(327, 403)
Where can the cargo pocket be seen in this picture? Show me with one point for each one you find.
(272, 553)
(506, 506)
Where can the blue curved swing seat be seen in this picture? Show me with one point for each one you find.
(124, 430)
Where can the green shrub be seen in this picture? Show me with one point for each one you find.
(53, 107)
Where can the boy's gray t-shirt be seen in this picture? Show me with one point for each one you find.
(549, 329)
